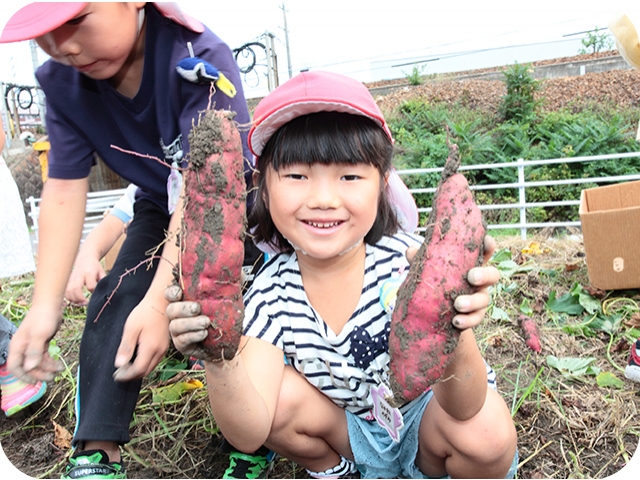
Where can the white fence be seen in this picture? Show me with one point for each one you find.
(99, 202)
(521, 185)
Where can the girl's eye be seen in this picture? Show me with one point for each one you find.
(295, 176)
(350, 178)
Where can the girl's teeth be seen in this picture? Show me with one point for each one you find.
(323, 225)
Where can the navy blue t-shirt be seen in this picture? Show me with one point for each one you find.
(86, 116)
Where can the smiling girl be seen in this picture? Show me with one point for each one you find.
(329, 201)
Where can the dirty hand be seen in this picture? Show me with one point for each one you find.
(472, 308)
(187, 327)
(29, 358)
(145, 340)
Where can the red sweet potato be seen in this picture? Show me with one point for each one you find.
(530, 332)
(422, 339)
(213, 230)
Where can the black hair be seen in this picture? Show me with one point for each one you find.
(325, 138)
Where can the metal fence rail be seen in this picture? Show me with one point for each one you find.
(99, 202)
(522, 184)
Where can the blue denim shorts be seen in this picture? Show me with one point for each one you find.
(378, 456)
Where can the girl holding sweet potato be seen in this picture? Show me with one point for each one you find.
(332, 209)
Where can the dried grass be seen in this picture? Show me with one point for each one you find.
(566, 429)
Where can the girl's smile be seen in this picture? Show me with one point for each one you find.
(324, 210)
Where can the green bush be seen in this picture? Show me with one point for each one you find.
(421, 130)
(519, 104)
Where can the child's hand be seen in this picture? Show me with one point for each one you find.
(145, 340)
(188, 328)
(29, 358)
(472, 308)
(87, 272)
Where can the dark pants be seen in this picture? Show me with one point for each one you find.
(105, 407)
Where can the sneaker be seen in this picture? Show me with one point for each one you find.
(93, 464)
(245, 465)
(632, 372)
(16, 394)
(195, 364)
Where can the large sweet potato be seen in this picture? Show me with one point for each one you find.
(422, 339)
(213, 230)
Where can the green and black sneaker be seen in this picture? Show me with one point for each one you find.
(93, 464)
(245, 465)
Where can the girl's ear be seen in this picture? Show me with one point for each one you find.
(263, 191)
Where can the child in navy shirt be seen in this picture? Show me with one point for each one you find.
(123, 77)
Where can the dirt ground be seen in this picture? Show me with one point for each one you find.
(566, 429)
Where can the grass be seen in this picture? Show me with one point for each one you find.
(574, 422)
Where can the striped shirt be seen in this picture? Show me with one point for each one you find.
(344, 366)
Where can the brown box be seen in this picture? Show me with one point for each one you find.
(610, 218)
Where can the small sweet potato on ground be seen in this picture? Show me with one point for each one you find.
(213, 230)
(530, 332)
(422, 338)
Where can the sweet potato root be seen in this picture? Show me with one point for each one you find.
(530, 332)
(422, 339)
(213, 230)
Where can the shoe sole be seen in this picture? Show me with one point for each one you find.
(17, 408)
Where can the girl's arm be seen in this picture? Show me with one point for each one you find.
(462, 389)
(243, 392)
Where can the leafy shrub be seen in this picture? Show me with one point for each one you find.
(519, 104)
(420, 130)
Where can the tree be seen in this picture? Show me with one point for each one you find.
(596, 41)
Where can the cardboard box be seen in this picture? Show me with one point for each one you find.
(610, 218)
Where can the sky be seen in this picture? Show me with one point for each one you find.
(378, 40)
(367, 40)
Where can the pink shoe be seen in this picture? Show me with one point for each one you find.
(16, 394)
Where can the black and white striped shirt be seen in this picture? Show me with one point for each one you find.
(342, 366)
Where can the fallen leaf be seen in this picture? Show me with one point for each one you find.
(595, 292)
(534, 248)
(62, 437)
(608, 379)
(175, 391)
(633, 321)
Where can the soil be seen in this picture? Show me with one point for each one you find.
(566, 429)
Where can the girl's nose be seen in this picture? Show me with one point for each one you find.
(324, 195)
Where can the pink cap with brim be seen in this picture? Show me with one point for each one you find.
(312, 92)
(40, 18)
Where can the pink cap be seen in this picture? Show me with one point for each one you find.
(312, 92)
(40, 18)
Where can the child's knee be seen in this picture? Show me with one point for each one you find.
(493, 442)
